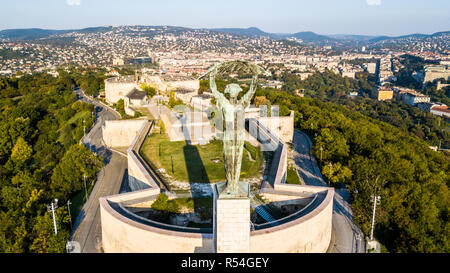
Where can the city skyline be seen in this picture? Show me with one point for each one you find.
(358, 17)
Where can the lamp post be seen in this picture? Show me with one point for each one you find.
(85, 188)
(329, 180)
(70, 216)
(53, 205)
(375, 199)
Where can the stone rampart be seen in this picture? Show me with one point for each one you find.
(117, 88)
(310, 233)
(121, 133)
(124, 232)
(139, 175)
(282, 127)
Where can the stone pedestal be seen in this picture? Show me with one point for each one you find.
(231, 220)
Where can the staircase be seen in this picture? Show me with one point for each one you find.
(260, 210)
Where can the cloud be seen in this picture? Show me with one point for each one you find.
(373, 2)
(73, 2)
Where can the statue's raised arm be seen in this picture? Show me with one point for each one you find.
(245, 100)
(220, 98)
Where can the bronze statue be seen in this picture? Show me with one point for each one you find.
(233, 114)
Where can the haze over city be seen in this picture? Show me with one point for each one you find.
(364, 17)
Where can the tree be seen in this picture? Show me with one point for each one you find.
(151, 91)
(68, 175)
(21, 152)
(260, 100)
(44, 239)
(164, 204)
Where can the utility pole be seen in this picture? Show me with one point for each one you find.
(440, 143)
(70, 216)
(376, 199)
(329, 180)
(85, 188)
(52, 207)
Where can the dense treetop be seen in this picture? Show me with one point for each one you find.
(41, 124)
(371, 156)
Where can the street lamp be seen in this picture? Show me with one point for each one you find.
(85, 188)
(70, 216)
(53, 205)
(329, 180)
(375, 199)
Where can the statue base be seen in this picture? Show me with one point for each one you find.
(231, 224)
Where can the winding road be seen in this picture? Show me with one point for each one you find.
(346, 236)
(87, 227)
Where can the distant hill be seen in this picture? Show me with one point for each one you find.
(306, 36)
(351, 37)
(251, 31)
(309, 36)
(416, 35)
(38, 33)
(30, 33)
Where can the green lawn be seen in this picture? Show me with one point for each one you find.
(292, 176)
(201, 164)
(144, 111)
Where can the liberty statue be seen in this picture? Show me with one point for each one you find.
(233, 116)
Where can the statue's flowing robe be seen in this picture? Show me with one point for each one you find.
(233, 141)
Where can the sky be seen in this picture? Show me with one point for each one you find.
(365, 17)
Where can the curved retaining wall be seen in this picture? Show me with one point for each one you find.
(310, 233)
(124, 234)
(121, 234)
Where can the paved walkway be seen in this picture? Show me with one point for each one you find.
(87, 226)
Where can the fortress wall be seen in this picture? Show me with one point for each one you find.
(189, 84)
(433, 75)
(282, 127)
(304, 189)
(278, 169)
(123, 235)
(120, 234)
(138, 175)
(120, 133)
(308, 234)
(116, 89)
(276, 197)
(129, 111)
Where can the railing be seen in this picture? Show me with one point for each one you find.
(288, 218)
(121, 209)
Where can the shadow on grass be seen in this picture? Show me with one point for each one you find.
(203, 206)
